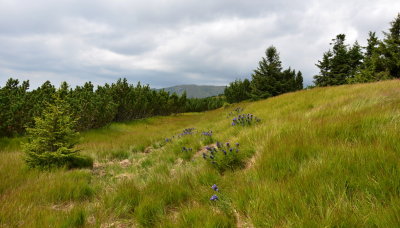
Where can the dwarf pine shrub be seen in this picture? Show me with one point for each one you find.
(52, 140)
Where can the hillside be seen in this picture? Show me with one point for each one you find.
(325, 157)
(196, 91)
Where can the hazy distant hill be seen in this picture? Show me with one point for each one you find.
(197, 91)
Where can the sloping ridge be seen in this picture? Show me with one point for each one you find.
(196, 91)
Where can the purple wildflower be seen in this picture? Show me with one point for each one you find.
(214, 198)
(215, 187)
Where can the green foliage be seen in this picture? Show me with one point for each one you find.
(77, 218)
(52, 140)
(339, 64)
(93, 108)
(391, 49)
(238, 91)
(197, 216)
(204, 104)
(379, 60)
(225, 157)
(15, 108)
(373, 67)
(124, 200)
(269, 79)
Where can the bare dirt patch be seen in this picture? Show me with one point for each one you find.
(250, 163)
(241, 221)
(148, 149)
(124, 176)
(63, 207)
(203, 150)
(118, 224)
(125, 163)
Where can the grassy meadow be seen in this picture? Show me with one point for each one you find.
(325, 157)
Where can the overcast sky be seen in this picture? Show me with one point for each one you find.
(171, 42)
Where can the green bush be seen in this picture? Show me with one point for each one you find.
(52, 139)
(225, 157)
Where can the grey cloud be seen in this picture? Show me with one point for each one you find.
(165, 43)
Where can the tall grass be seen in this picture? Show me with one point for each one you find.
(326, 157)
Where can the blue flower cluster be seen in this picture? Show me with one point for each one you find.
(221, 148)
(186, 149)
(214, 197)
(187, 131)
(236, 111)
(167, 140)
(245, 119)
(207, 133)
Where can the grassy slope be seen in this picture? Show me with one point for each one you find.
(323, 157)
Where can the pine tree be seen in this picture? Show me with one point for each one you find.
(299, 81)
(340, 64)
(265, 79)
(340, 68)
(52, 140)
(237, 91)
(372, 67)
(324, 65)
(391, 49)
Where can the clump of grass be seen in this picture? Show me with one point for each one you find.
(245, 120)
(207, 137)
(202, 216)
(73, 186)
(119, 154)
(185, 147)
(236, 111)
(187, 131)
(124, 200)
(225, 157)
(76, 218)
(136, 148)
(149, 212)
(157, 197)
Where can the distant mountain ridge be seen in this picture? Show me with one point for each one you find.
(196, 91)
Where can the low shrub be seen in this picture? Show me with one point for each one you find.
(245, 120)
(225, 156)
(207, 137)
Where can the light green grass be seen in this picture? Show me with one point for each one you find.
(326, 157)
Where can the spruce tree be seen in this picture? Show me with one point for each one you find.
(52, 139)
(265, 79)
(372, 67)
(324, 65)
(299, 81)
(340, 64)
(391, 49)
(237, 91)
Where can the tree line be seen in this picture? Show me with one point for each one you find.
(268, 80)
(92, 106)
(121, 101)
(342, 64)
(345, 64)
